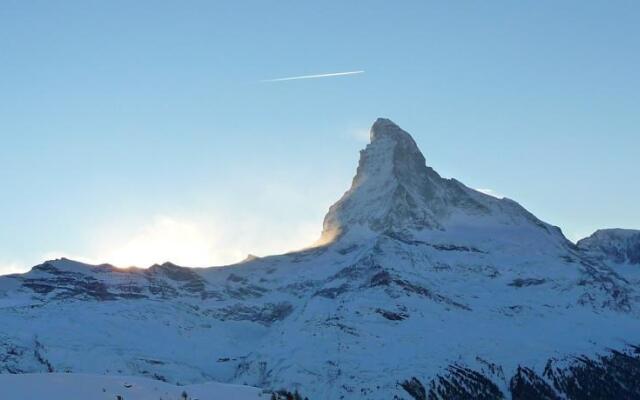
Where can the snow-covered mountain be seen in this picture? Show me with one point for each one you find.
(617, 246)
(419, 287)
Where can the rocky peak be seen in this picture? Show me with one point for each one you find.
(395, 190)
(384, 127)
(619, 246)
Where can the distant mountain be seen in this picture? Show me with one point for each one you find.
(419, 288)
(618, 246)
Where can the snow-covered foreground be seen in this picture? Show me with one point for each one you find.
(102, 387)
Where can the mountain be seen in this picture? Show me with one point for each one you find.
(394, 190)
(617, 246)
(419, 287)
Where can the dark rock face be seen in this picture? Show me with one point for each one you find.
(188, 279)
(391, 315)
(382, 278)
(409, 287)
(67, 284)
(265, 314)
(58, 280)
(519, 282)
(332, 293)
(442, 247)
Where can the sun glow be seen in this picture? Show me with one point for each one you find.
(168, 239)
(199, 244)
(10, 268)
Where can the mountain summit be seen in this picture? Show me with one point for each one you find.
(617, 246)
(395, 191)
(423, 289)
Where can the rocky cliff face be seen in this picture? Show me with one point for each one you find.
(422, 288)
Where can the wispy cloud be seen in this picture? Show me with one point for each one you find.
(490, 192)
(11, 268)
(360, 134)
(328, 75)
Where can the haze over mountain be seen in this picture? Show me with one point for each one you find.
(420, 287)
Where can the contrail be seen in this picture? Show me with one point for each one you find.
(293, 78)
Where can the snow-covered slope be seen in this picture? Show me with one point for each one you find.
(101, 387)
(420, 287)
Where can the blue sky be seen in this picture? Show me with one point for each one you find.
(135, 132)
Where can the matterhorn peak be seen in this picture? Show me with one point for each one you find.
(395, 191)
(393, 188)
(384, 127)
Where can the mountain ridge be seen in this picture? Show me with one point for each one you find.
(394, 189)
(420, 288)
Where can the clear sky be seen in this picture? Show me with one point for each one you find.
(144, 131)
